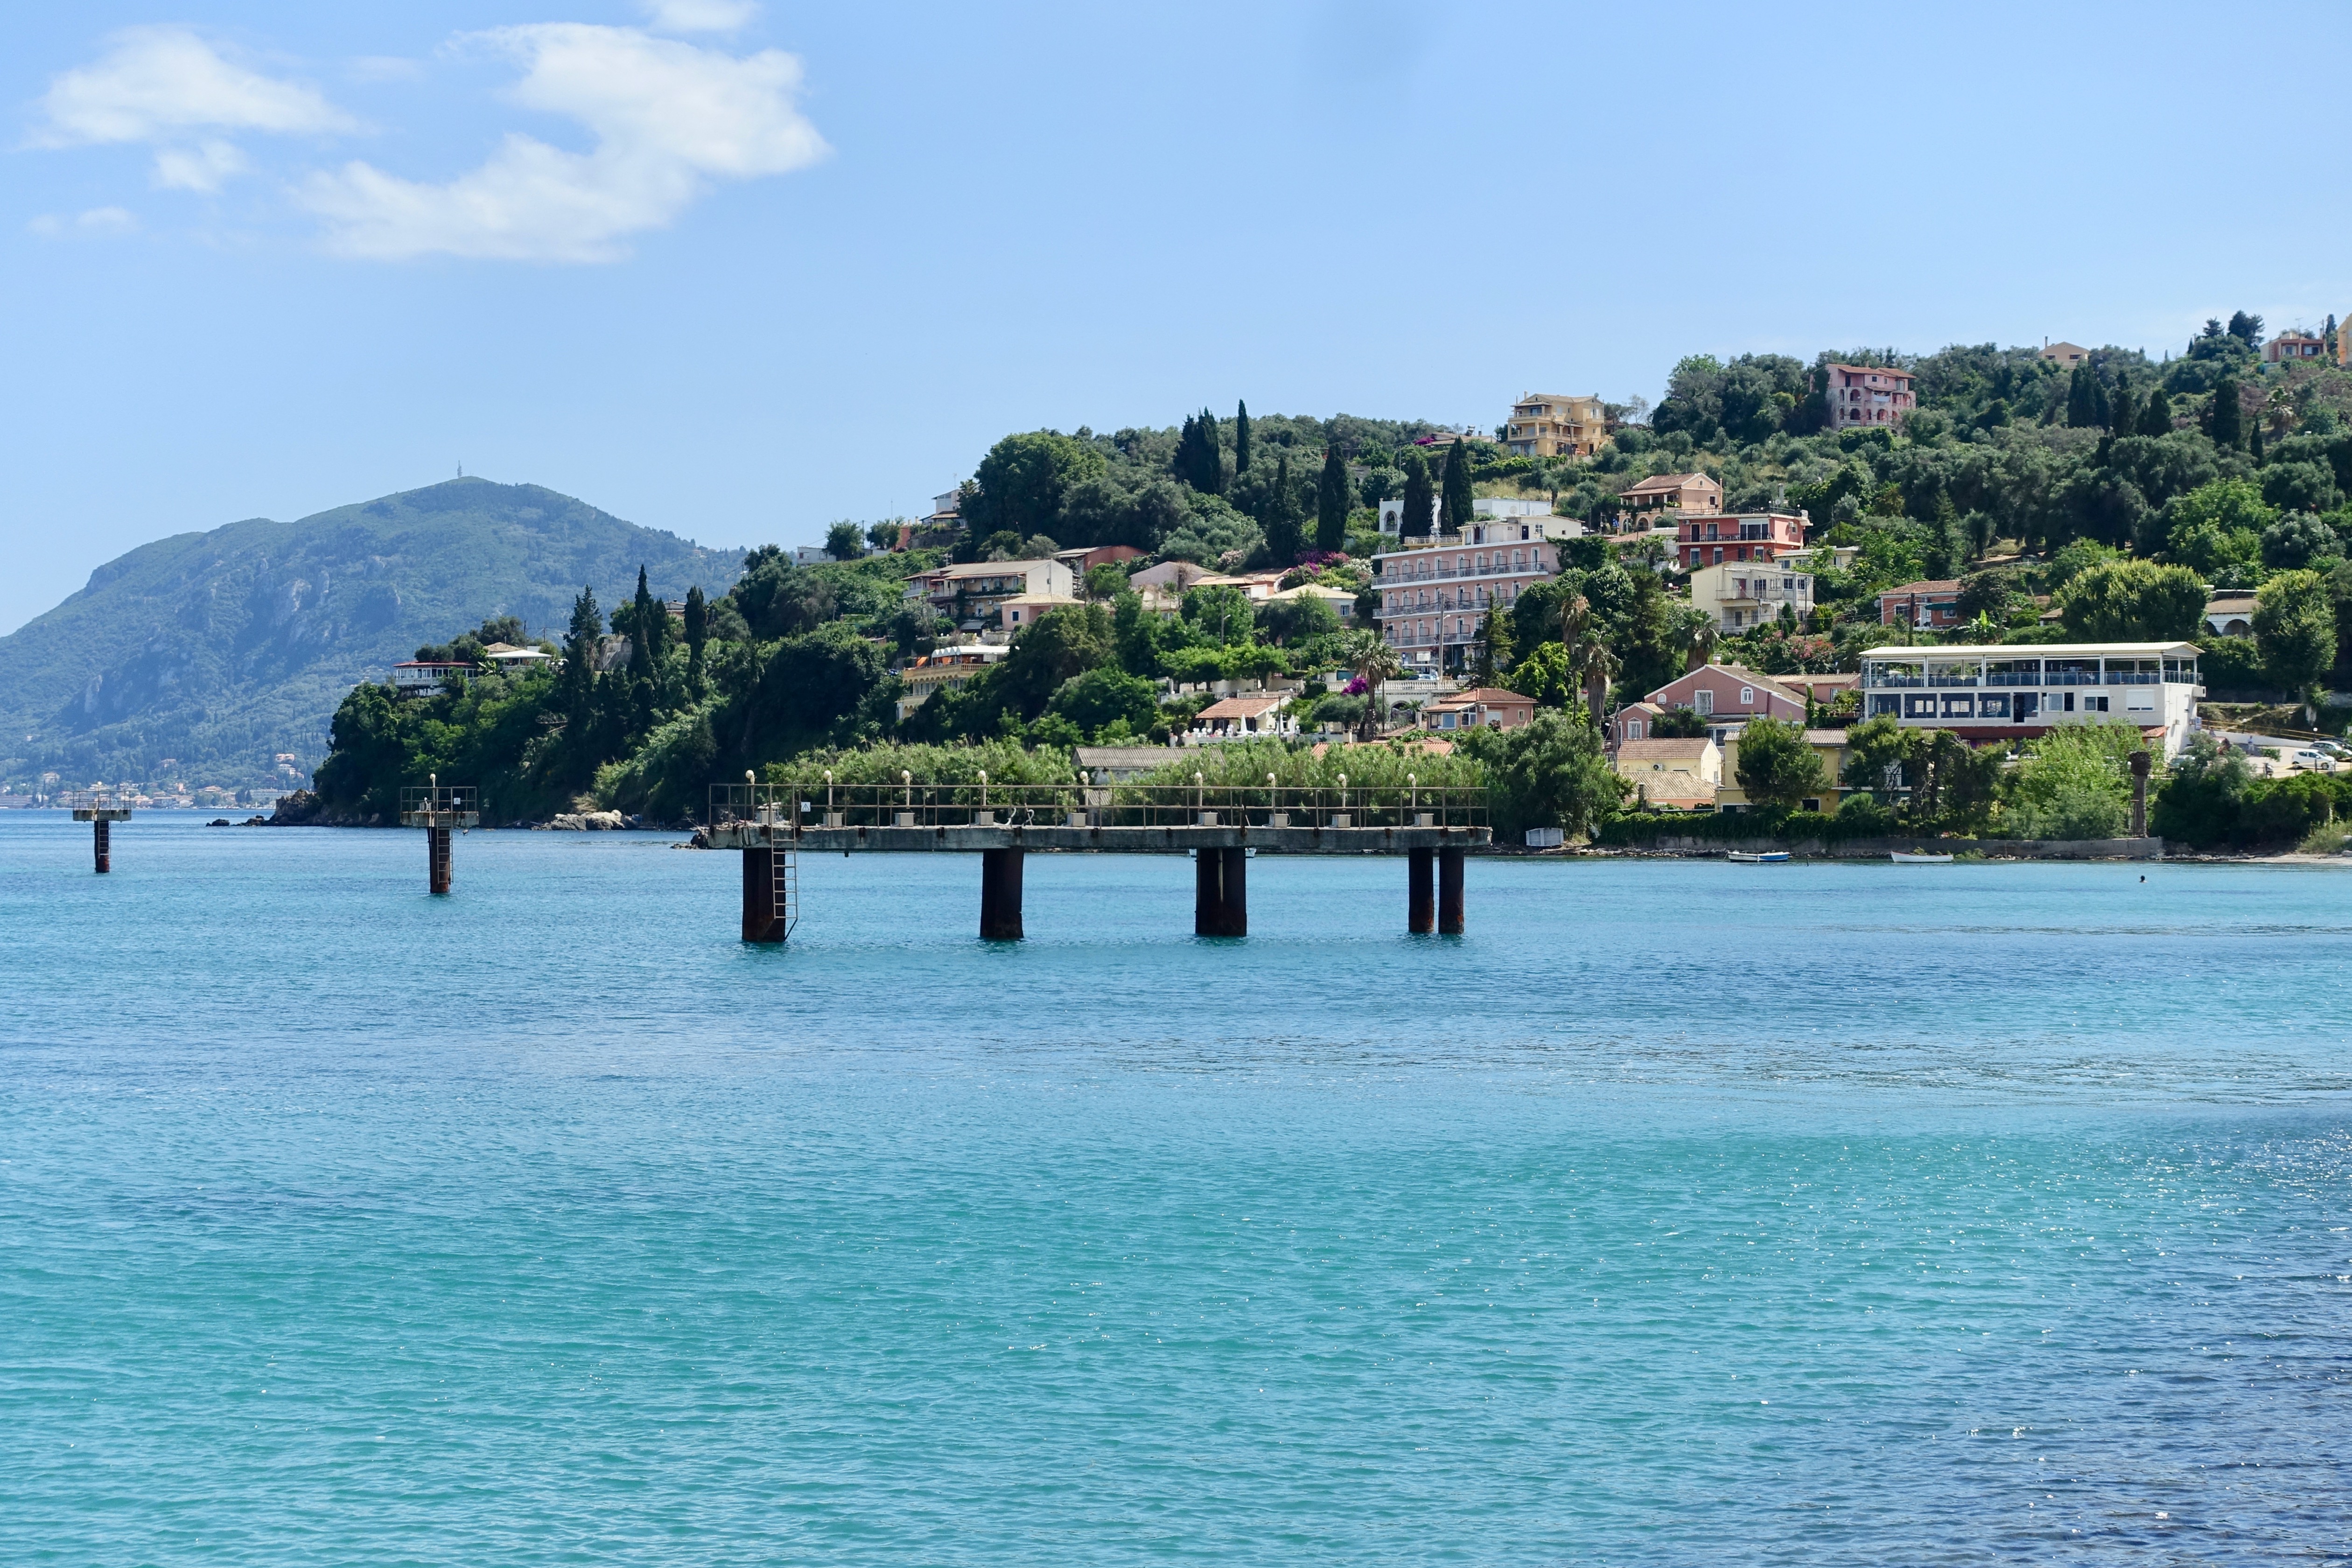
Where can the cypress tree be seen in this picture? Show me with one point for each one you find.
(2156, 416)
(697, 631)
(2227, 424)
(1241, 440)
(1456, 506)
(2082, 402)
(580, 650)
(2125, 416)
(2257, 432)
(2102, 412)
(1331, 502)
(646, 622)
(1197, 461)
(1418, 499)
(1282, 517)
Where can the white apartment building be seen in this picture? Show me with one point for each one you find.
(1998, 693)
(1432, 598)
(1744, 594)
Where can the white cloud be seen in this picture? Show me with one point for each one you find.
(204, 167)
(157, 83)
(669, 118)
(698, 15)
(97, 221)
(168, 86)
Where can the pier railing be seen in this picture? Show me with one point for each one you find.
(912, 803)
(437, 805)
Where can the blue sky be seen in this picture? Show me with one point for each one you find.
(736, 270)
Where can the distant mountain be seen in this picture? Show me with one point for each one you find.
(222, 649)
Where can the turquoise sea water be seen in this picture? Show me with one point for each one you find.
(1680, 1212)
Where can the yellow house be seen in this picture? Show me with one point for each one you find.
(1827, 744)
(1677, 775)
(1554, 425)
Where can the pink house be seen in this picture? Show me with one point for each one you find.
(1873, 395)
(1727, 695)
(1710, 541)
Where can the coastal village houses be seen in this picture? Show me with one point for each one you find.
(1674, 774)
(1740, 597)
(1433, 597)
(1726, 695)
(1933, 604)
(1869, 394)
(1552, 425)
(974, 595)
(1688, 493)
(1481, 708)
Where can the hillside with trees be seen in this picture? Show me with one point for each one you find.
(219, 650)
(2098, 502)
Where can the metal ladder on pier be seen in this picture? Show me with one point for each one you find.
(785, 870)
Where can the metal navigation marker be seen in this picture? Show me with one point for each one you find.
(102, 810)
(438, 809)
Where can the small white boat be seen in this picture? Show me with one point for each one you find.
(1901, 859)
(1772, 858)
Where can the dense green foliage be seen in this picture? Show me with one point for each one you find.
(2115, 492)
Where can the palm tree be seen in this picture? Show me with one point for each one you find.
(1696, 631)
(1575, 620)
(1374, 661)
(1596, 666)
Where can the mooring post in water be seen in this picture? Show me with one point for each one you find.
(1221, 892)
(1000, 894)
(1449, 892)
(440, 812)
(771, 877)
(103, 813)
(2141, 763)
(1421, 893)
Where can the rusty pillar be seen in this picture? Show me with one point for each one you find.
(1449, 892)
(436, 858)
(1000, 894)
(762, 920)
(2141, 764)
(1420, 892)
(1221, 893)
(101, 840)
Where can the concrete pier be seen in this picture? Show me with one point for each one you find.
(1221, 892)
(1000, 894)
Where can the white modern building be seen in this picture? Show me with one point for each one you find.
(1998, 693)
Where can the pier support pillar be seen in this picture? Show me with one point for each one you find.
(764, 920)
(436, 858)
(1221, 893)
(99, 842)
(1420, 892)
(1449, 892)
(1000, 894)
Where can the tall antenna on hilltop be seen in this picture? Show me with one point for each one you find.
(461, 470)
